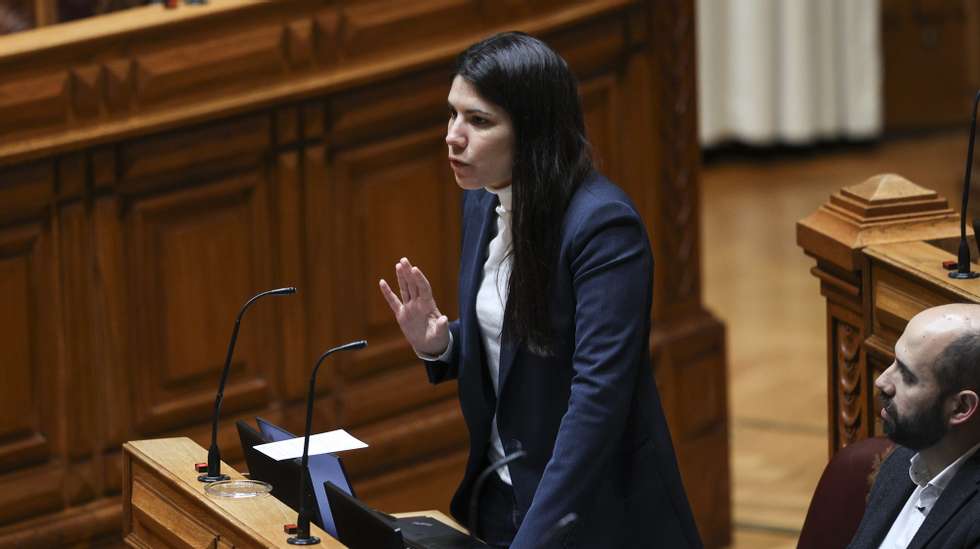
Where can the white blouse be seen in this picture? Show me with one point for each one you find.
(491, 300)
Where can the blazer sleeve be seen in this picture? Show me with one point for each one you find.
(439, 371)
(612, 267)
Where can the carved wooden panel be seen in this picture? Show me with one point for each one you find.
(186, 157)
(394, 198)
(196, 256)
(32, 101)
(851, 383)
(32, 391)
(296, 354)
(369, 28)
(30, 492)
(28, 390)
(600, 106)
(174, 69)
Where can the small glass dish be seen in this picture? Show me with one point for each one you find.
(238, 489)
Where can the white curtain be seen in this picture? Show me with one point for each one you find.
(788, 71)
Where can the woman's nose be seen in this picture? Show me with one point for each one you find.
(454, 137)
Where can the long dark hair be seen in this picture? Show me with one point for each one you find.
(552, 156)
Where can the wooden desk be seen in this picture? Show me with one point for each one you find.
(879, 248)
(165, 506)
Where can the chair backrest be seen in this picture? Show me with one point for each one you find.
(839, 500)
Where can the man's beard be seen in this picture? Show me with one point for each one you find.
(918, 430)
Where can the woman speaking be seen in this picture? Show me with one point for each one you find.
(550, 349)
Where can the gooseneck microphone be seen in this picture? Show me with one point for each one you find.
(478, 487)
(963, 257)
(303, 536)
(214, 455)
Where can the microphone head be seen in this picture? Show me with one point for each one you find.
(358, 344)
(284, 291)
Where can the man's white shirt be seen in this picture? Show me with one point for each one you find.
(928, 488)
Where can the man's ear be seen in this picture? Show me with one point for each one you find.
(965, 404)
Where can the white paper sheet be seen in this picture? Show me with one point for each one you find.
(324, 443)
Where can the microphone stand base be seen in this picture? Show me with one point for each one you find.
(963, 276)
(207, 478)
(308, 540)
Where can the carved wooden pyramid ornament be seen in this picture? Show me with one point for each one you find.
(888, 198)
(883, 208)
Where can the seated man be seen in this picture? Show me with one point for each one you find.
(925, 495)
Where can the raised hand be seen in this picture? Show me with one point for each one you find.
(425, 328)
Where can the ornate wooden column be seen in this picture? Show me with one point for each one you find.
(883, 209)
(688, 342)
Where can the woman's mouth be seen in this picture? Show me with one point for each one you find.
(457, 164)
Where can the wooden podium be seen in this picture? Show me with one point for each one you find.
(880, 247)
(164, 505)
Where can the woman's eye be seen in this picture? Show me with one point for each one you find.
(452, 114)
(479, 121)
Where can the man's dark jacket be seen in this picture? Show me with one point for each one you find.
(953, 522)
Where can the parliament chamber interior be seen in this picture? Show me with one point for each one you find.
(798, 167)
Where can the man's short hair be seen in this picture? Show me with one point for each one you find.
(958, 365)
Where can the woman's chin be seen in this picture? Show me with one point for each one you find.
(468, 183)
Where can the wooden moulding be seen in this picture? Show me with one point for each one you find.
(148, 69)
(882, 209)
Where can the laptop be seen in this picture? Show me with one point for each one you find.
(322, 467)
(360, 527)
(282, 475)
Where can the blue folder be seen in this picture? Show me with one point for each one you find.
(323, 467)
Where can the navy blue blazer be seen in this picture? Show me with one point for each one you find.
(589, 416)
(953, 522)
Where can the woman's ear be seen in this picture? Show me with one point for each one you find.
(965, 407)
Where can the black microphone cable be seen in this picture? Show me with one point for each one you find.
(481, 480)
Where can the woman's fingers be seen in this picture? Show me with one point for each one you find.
(418, 285)
(390, 297)
(417, 280)
(400, 273)
(422, 286)
(410, 278)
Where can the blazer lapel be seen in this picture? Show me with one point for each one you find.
(472, 272)
(470, 276)
(960, 489)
